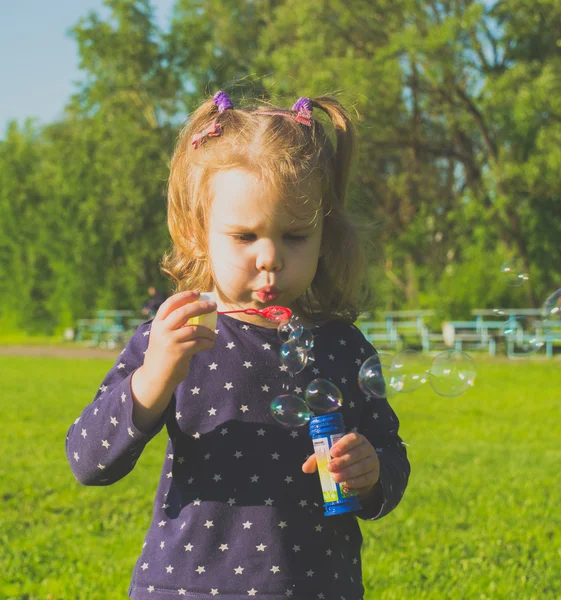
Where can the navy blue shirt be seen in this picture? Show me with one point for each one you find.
(234, 515)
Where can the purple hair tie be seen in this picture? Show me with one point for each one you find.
(222, 101)
(303, 107)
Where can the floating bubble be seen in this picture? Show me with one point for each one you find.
(371, 376)
(408, 372)
(514, 272)
(294, 356)
(522, 337)
(305, 337)
(323, 396)
(551, 309)
(452, 373)
(291, 329)
(310, 358)
(290, 410)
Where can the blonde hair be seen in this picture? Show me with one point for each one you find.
(282, 152)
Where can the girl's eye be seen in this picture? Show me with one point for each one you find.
(244, 237)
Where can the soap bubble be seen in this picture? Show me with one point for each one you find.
(310, 358)
(371, 375)
(293, 356)
(290, 410)
(452, 373)
(408, 372)
(323, 396)
(522, 337)
(514, 273)
(291, 329)
(551, 309)
(305, 337)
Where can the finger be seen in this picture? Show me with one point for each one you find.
(181, 315)
(197, 345)
(356, 471)
(174, 302)
(347, 443)
(191, 333)
(366, 480)
(355, 455)
(311, 465)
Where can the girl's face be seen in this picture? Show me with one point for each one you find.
(261, 253)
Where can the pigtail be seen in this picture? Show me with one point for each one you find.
(183, 264)
(346, 142)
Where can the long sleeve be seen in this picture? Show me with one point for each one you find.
(380, 425)
(103, 444)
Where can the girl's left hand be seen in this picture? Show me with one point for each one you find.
(355, 463)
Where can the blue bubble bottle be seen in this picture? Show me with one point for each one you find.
(325, 430)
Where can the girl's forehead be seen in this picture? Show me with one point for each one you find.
(238, 193)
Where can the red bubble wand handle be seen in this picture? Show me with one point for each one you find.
(277, 314)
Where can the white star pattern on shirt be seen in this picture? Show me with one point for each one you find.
(213, 366)
(169, 569)
(188, 547)
(209, 524)
(195, 390)
(266, 346)
(244, 408)
(228, 385)
(261, 548)
(274, 569)
(247, 525)
(265, 388)
(238, 570)
(230, 345)
(212, 411)
(200, 570)
(251, 592)
(247, 364)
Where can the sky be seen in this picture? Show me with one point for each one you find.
(39, 59)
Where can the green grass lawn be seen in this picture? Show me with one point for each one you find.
(481, 518)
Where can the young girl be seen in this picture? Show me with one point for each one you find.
(256, 215)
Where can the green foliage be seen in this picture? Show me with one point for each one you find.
(480, 518)
(459, 116)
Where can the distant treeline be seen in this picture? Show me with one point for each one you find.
(459, 116)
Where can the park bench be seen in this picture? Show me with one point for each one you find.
(109, 329)
(379, 334)
(552, 336)
(411, 327)
(473, 335)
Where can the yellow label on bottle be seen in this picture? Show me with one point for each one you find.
(207, 320)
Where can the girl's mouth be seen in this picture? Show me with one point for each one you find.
(268, 293)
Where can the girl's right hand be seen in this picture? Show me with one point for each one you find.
(173, 343)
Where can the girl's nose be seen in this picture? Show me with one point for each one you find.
(268, 257)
